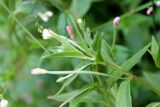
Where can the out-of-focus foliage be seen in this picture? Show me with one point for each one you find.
(21, 50)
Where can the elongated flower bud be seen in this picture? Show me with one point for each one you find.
(46, 34)
(37, 71)
(116, 21)
(70, 31)
(149, 11)
(3, 103)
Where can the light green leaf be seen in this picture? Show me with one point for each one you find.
(154, 49)
(155, 104)
(65, 42)
(106, 52)
(127, 65)
(135, 58)
(155, 52)
(92, 97)
(88, 97)
(85, 89)
(66, 54)
(123, 97)
(68, 97)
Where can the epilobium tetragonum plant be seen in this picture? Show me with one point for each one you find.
(109, 86)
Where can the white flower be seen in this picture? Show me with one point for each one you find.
(49, 13)
(157, 3)
(3, 103)
(45, 16)
(79, 21)
(46, 34)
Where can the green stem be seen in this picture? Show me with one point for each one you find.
(114, 38)
(117, 68)
(76, 72)
(104, 90)
(153, 18)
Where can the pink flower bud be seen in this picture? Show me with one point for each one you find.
(116, 21)
(37, 71)
(70, 31)
(149, 11)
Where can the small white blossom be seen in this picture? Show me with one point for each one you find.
(157, 3)
(45, 16)
(79, 21)
(46, 34)
(49, 13)
(3, 103)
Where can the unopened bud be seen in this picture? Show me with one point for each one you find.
(149, 11)
(70, 31)
(37, 71)
(116, 21)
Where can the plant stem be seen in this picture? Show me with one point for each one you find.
(153, 18)
(117, 68)
(114, 38)
(109, 103)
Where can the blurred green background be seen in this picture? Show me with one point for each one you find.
(19, 52)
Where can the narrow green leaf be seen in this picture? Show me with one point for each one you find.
(154, 49)
(155, 104)
(123, 97)
(127, 65)
(64, 96)
(66, 54)
(92, 97)
(71, 79)
(81, 98)
(66, 83)
(97, 41)
(135, 58)
(65, 42)
(81, 91)
(106, 52)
